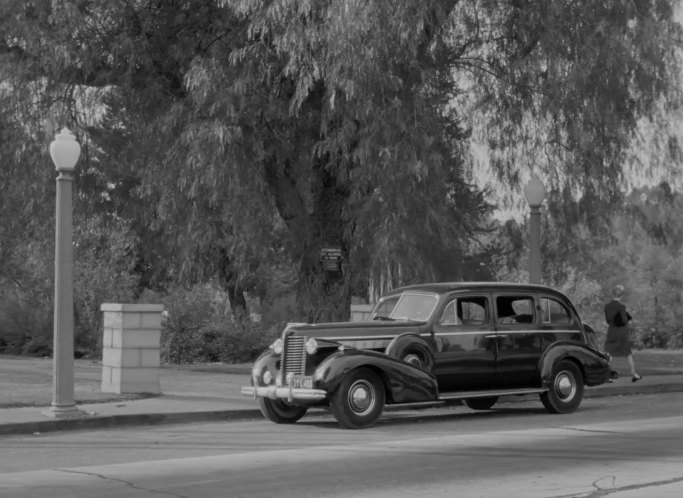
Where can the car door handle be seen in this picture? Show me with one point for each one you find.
(493, 336)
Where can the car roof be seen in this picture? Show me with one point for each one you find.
(445, 287)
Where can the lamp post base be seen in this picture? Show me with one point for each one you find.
(62, 412)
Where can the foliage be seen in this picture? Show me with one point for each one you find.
(571, 82)
(199, 327)
(640, 249)
(232, 140)
(105, 253)
(26, 294)
(24, 327)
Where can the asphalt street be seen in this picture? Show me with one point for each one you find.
(618, 446)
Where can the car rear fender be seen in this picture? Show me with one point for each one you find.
(404, 383)
(594, 365)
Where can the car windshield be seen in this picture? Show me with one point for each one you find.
(406, 306)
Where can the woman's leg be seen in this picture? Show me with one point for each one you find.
(631, 364)
(634, 375)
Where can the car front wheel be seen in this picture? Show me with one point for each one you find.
(359, 400)
(280, 412)
(565, 391)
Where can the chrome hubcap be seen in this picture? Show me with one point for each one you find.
(361, 397)
(565, 386)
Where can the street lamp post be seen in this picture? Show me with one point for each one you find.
(534, 192)
(64, 151)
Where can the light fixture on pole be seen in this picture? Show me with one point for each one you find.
(534, 192)
(64, 151)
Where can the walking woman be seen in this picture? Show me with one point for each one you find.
(618, 342)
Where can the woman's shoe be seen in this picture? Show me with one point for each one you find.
(636, 377)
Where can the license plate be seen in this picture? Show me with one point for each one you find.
(301, 381)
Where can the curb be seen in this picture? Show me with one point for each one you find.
(123, 420)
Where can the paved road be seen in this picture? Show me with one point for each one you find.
(625, 447)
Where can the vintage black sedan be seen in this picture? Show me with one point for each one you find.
(436, 342)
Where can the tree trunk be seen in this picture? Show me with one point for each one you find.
(325, 294)
(229, 282)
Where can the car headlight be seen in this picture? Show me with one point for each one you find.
(311, 346)
(267, 377)
(277, 346)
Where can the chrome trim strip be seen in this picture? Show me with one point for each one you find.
(464, 332)
(487, 330)
(539, 331)
(500, 332)
(288, 393)
(359, 337)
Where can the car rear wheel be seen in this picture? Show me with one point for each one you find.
(481, 403)
(565, 391)
(359, 400)
(280, 412)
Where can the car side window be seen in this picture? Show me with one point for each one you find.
(468, 310)
(449, 316)
(514, 310)
(554, 313)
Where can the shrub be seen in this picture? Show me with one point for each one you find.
(104, 272)
(104, 263)
(200, 327)
(25, 326)
(26, 302)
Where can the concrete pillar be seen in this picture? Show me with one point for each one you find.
(130, 354)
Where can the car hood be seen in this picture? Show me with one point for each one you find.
(348, 330)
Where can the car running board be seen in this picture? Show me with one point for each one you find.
(447, 397)
(489, 393)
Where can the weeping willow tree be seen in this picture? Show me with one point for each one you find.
(240, 137)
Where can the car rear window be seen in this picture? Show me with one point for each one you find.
(554, 313)
(513, 310)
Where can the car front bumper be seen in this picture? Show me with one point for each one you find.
(288, 393)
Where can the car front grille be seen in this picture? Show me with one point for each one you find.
(293, 356)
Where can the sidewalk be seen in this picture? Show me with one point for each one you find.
(197, 394)
(189, 393)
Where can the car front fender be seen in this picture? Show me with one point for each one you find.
(404, 383)
(594, 364)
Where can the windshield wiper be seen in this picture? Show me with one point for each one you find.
(382, 317)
